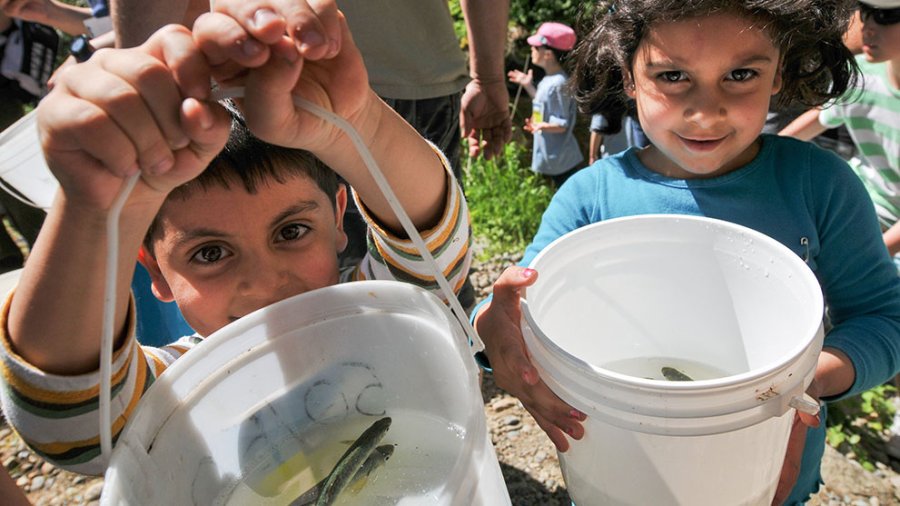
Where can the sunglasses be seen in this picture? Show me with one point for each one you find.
(880, 16)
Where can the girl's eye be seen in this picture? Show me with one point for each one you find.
(672, 76)
(292, 232)
(209, 255)
(741, 75)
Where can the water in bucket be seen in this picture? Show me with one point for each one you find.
(263, 409)
(733, 310)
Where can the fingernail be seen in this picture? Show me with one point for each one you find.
(578, 415)
(179, 143)
(262, 17)
(250, 47)
(333, 48)
(206, 118)
(309, 39)
(161, 165)
(528, 272)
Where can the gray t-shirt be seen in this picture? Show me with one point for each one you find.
(409, 47)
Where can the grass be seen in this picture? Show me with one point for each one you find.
(506, 200)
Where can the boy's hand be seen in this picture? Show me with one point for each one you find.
(290, 48)
(498, 325)
(132, 110)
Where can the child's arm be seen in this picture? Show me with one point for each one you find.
(497, 323)
(120, 112)
(892, 239)
(805, 127)
(336, 81)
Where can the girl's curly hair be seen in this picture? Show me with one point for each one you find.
(815, 64)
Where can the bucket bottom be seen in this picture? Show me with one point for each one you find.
(616, 466)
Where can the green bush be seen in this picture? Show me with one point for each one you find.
(860, 424)
(506, 200)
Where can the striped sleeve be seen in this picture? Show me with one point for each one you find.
(57, 416)
(392, 258)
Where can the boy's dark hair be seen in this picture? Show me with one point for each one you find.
(250, 162)
(815, 64)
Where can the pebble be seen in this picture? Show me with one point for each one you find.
(37, 483)
(540, 456)
(93, 492)
(504, 403)
(511, 421)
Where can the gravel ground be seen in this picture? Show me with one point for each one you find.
(527, 458)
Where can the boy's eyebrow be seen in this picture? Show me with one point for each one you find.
(300, 207)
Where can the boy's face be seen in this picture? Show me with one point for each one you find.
(223, 253)
(880, 42)
(702, 88)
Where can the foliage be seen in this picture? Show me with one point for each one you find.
(859, 424)
(506, 200)
(529, 14)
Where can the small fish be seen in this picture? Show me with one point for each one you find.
(376, 459)
(673, 374)
(352, 461)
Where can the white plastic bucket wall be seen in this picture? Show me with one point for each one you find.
(238, 418)
(680, 291)
(22, 163)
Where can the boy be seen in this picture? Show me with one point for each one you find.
(870, 113)
(556, 152)
(263, 225)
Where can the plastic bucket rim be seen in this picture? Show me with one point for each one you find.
(586, 368)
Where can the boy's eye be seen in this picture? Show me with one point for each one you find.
(672, 76)
(209, 254)
(741, 75)
(292, 232)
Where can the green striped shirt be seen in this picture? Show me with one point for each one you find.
(871, 113)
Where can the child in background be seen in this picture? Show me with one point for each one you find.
(871, 113)
(703, 74)
(261, 224)
(555, 152)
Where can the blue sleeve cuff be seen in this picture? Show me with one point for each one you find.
(480, 357)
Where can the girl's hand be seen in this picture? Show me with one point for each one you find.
(131, 110)
(793, 457)
(521, 78)
(498, 325)
(277, 49)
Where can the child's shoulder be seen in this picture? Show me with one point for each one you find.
(874, 76)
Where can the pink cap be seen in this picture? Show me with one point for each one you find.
(555, 35)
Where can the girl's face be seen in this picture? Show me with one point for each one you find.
(702, 87)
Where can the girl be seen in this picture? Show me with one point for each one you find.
(555, 152)
(702, 74)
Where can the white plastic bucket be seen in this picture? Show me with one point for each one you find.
(263, 409)
(618, 300)
(22, 163)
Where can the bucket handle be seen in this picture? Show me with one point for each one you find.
(805, 404)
